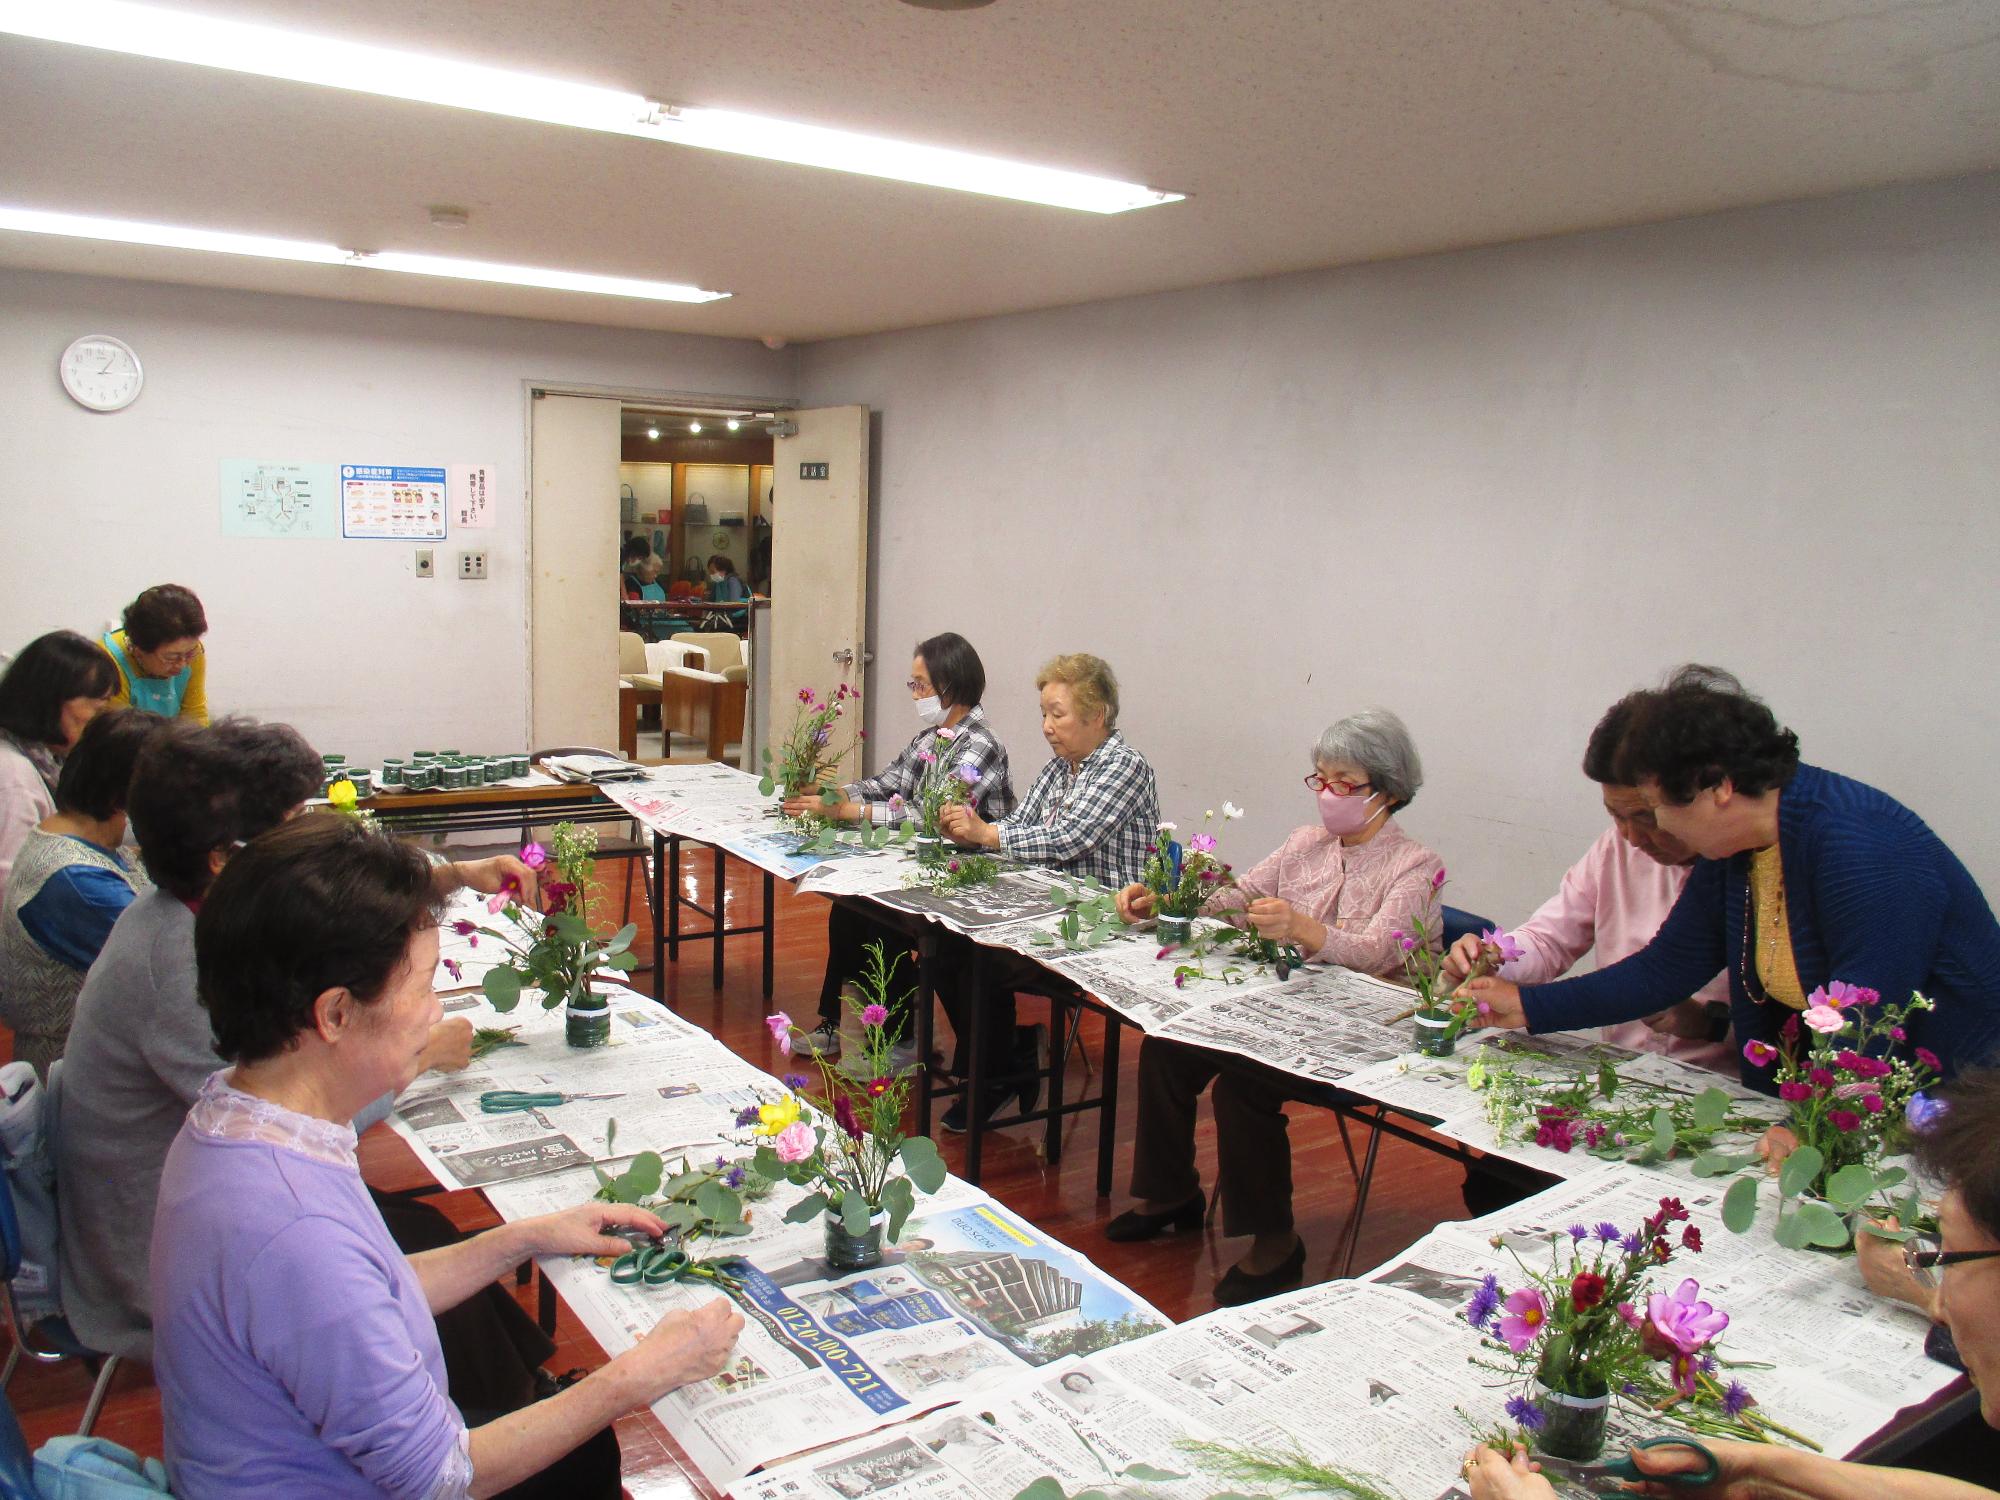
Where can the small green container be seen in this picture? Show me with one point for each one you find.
(424, 755)
(364, 781)
(452, 777)
(452, 754)
(392, 773)
(330, 761)
(517, 765)
(422, 777)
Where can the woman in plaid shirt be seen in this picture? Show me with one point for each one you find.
(947, 680)
(1091, 811)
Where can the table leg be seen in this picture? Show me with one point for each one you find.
(925, 1003)
(1052, 1139)
(628, 722)
(1361, 1200)
(1107, 1109)
(719, 895)
(974, 1097)
(656, 898)
(770, 928)
(674, 898)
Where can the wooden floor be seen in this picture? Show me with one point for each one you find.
(1414, 1189)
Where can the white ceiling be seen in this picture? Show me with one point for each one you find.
(1309, 134)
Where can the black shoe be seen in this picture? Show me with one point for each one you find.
(1239, 1286)
(1133, 1226)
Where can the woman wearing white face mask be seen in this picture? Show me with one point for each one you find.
(1342, 891)
(946, 684)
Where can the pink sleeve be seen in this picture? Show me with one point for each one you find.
(1564, 927)
(1260, 880)
(1372, 948)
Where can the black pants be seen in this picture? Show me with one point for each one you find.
(849, 931)
(491, 1347)
(1253, 1144)
(589, 1471)
(959, 962)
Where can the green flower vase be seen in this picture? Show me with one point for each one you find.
(587, 1025)
(1434, 1037)
(1174, 932)
(854, 1252)
(1572, 1426)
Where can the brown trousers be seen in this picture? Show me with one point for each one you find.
(1252, 1145)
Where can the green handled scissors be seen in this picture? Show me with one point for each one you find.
(515, 1101)
(1624, 1468)
(650, 1265)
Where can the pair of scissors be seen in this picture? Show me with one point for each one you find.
(650, 1264)
(515, 1101)
(1624, 1468)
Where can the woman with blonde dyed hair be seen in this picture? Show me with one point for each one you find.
(1091, 811)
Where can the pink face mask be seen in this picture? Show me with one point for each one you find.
(1341, 816)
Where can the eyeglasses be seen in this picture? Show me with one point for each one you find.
(1924, 1257)
(176, 658)
(918, 685)
(1339, 788)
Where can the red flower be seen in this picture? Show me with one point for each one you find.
(1872, 1103)
(1821, 1079)
(1586, 1291)
(1790, 1030)
(1929, 1059)
(1691, 1239)
(1671, 1210)
(1792, 1093)
(877, 1087)
(1844, 1119)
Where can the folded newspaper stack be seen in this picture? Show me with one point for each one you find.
(580, 769)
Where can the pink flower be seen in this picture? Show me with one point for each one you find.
(1682, 1319)
(1202, 843)
(794, 1143)
(1824, 1019)
(1630, 1314)
(805, 695)
(1437, 880)
(1844, 1119)
(1759, 1054)
(451, 967)
(1929, 1059)
(1527, 1312)
(946, 732)
(464, 927)
(497, 900)
(1502, 943)
(927, 757)
(874, 1015)
(1840, 995)
(781, 1031)
(534, 856)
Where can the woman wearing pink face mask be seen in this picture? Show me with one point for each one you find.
(1341, 890)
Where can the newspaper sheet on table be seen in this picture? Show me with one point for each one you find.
(1013, 896)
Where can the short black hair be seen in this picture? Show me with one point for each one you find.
(958, 676)
(97, 773)
(165, 612)
(51, 670)
(1962, 1149)
(636, 549)
(1699, 729)
(195, 790)
(719, 561)
(322, 902)
(1600, 756)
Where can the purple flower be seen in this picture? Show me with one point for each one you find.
(792, 1081)
(1502, 943)
(1924, 1112)
(821, 736)
(746, 1116)
(1735, 1398)
(968, 772)
(1631, 1244)
(1485, 1302)
(1578, 1233)
(1526, 1413)
(734, 1179)
(1707, 1364)
(873, 1014)
(1609, 1233)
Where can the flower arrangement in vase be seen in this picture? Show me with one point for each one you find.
(1183, 876)
(944, 783)
(561, 952)
(805, 761)
(1590, 1329)
(1847, 1103)
(849, 1160)
(1440, 1019)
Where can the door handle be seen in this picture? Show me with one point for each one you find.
(845, 656)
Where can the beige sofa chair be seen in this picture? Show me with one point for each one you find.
(725, 652)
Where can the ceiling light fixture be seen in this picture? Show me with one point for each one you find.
(273, 52)
(732, 424)
(694, 427)
(653, 433)
(177, 237)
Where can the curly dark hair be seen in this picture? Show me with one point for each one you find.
(1962, 1150)
(322, 902)
(51, 670)
(165, 612)
(197, 790)
(957, 675)
(1697, 730)
(97, 773)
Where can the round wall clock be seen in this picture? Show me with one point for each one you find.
(101, 372)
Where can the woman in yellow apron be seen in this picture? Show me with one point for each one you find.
(162, 668)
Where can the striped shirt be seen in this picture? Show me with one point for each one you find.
(992, 799)
(1095, 820)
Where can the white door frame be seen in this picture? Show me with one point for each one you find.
(625, 396)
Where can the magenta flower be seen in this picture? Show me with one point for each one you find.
(1824, 1019)
(1839, 995)
(1793, 1092)
(874, 1015)
(534, 856)
(1844, 1119)
(1872, 1103)
(1409, 945)
(1684, 1320)
(843, 1116)
(1631, 1315)
(1202, 843)
(1820, 1078)
(781, 1031)
(1897, 1034)
(1502, 943)
(464, 927)
(1527, 1311)
(1759, 1054)
(1437, 881)
(805, 695)
(1929, 1059)
(451, 967)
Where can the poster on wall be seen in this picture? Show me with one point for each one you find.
(383, 501)
(278, 501)
(471, 495)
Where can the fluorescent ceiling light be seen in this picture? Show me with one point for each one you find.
(175, 237)
(272, 52)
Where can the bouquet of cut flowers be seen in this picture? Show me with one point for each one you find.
(1441, 1020)
(561, 951)
(1851, 1094)
(806, 760)
(1590, 1329)
(1182, 877)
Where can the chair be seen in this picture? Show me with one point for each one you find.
(17, 1469)
(725, 652)
(661, 655)
(1455, 923)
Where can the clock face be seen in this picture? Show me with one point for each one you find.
(101, 372)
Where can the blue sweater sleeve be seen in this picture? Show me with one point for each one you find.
(72, 914)
(1684, 955)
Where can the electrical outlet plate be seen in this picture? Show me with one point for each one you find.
(472, 565)
(425, 563)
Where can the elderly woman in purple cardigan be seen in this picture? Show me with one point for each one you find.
(293, 1342)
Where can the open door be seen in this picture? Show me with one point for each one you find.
(819, 564)
(573, 562)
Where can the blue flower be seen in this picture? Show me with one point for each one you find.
(746, 1116)
(1706, 1364)
(1611, 1234)
(795, 1081)
(1924, 1112)
(1526, 1413)
(1631, 1244)
(734, 1179)
(1735, 1398)
(1485, 1302)
(1578, 1233)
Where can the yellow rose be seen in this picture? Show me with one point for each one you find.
(341, 795)
(774, 1118)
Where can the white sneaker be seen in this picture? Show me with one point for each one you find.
(821, 1044)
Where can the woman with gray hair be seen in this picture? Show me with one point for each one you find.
(1342, 890)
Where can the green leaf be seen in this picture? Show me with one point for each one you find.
(1711, 1108)
(643, 1175)
(1820, 1225)
(679, 1217)
(1041, 940)
(610, 1137)
(1044, 1488)
(502, 988)
(1719, 1163)
(1607, 1079)
(624, 962)
(765, 785)
(1790, 1231)
(1663, 1131)
(830, 796)
(898, 1198)
(854, 1213)
(570, 927)
(806, 1209)
(1888, 1177)
(1152, 1475)
(1851, 1186)
(922, 1162)
(1739, 1205)
(622, 938)
(1800, 1171)
(766, 1165)
(717, 1203)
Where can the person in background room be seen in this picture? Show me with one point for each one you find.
(58, 684)
(162, 666)
(724, 587)
(69, 885)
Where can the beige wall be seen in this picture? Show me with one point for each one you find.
(1492, 490)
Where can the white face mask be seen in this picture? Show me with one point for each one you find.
(930, 710)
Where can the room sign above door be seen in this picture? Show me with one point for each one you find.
(812, 471)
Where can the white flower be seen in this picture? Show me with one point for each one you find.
(1231, 810)
(1167, 827)
(1207, 815)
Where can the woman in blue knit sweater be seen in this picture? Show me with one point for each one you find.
(1805, 877)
